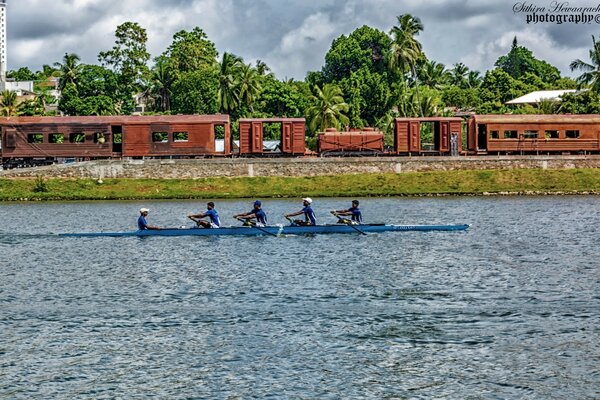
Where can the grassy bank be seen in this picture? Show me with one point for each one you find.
(362, 185)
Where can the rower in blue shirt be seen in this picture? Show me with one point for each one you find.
(210, 213)
(142, 223)
(353, 211)
(257, 214)
(309, 214)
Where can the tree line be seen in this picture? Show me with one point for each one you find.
(368, 78)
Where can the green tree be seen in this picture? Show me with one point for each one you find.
(586, 102)
(190, 51)
(591, 70)
(195, 92)
(405, 49)
(96, 93)
(158, 90)
(229, 72)
(520, 61)
(22, 74)
(68, 70)
(128, 59)
(249, 85)
(327, 109)
(434, 75)
(363, 48)
(282, 99)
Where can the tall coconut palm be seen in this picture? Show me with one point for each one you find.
(459, 74)
(434, 75)
(591, 74)
(405, 49)
(8, 103)
(229, 72)
(69, 70)
(474, 79)
(327, 109)
(160, 88)
(249, 85)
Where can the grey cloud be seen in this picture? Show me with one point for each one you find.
(455, 30)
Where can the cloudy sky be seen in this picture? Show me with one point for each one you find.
(293, 36)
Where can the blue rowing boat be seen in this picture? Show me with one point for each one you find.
(276, 230)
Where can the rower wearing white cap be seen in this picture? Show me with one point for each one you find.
(142, 224)
(309, 214)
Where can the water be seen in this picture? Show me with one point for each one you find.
(508, 309)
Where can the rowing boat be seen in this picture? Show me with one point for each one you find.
(276, 230)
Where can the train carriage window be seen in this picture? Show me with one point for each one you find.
(99, 137)
(510, 134)
(572, 134)
(551, 134)
(35, 138)
(180, 136)
(77, 137)
(160, 137)
(494, 135)
(56, 138)
(530, 134)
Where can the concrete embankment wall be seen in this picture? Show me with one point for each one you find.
(255, 167)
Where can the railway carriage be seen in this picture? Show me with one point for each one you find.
(41, 140)
(534, 134)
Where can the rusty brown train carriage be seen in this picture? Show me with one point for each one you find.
(447, 131)
(92, 137)
(530, 134)
(292, 135)
(356, 141)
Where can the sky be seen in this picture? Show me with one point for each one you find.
(293, 36)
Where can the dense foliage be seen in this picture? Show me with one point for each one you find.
(368, 78)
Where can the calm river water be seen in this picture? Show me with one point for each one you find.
(507, 310)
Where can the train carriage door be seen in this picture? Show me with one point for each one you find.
(414, 134)
(286, 138)
(256, 145)
(444, 137)
(481, 137)
(117, 138)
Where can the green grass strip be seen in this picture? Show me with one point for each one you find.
(514, 181)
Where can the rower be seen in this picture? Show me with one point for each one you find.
(210, 213)
(309, 214)
(257, 214)
(353, 211)
(142, 223)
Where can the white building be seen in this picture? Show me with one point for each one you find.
(2, 39)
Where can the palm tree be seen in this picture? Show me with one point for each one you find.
(229, 72)
(405, 49)
(434, 75)
(8, 103)
(69, 69)
(327, 109)
(249, 85)
(160, 86)
(591, 74)
(459, 74)
(474, 79)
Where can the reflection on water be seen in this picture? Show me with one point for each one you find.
(508, 309)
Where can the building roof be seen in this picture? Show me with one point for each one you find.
(540, 95)
(537, 119)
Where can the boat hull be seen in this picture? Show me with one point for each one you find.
(273, 230)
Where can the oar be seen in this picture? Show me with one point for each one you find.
(253, 225)
(351, 225)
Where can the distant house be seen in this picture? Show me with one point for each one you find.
(541, 95)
